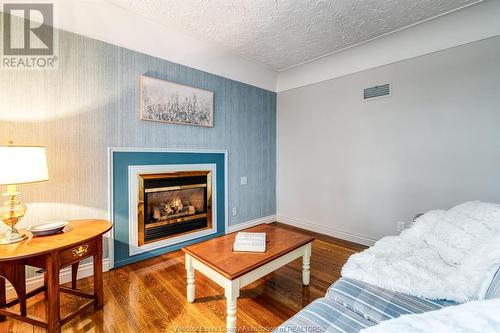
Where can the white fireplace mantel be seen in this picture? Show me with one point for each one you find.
(113, 150)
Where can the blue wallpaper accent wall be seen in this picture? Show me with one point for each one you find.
(92, 102)
(121, 162)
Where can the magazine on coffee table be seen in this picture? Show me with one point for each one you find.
(250, 242)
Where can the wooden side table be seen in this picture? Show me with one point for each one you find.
(80, 240)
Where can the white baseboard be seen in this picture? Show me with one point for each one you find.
(251, 223)
(84, 271)
(329, 231)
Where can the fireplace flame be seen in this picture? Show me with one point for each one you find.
(177, 203)
(173, 208)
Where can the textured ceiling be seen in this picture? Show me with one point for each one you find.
(285, 33)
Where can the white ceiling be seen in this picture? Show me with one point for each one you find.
(285, 33)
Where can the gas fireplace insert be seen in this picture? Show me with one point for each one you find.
(173, 204)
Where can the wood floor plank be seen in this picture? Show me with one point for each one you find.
(150, 296)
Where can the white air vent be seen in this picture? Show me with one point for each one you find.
(383, 90)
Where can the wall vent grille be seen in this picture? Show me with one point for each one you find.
(377, 91)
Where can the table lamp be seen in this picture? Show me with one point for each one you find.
(18, 165)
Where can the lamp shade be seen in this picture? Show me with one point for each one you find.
(22, 164)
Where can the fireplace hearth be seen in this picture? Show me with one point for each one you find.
(173, 204)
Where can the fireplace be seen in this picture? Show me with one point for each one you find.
(172, 204)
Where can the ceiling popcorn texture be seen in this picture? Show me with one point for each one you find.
(284, 33)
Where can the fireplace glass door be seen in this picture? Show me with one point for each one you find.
(171, 204)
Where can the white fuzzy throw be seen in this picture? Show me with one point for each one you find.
(472, 317)
(445, 255)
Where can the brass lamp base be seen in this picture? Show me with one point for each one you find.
(12, 236)
(12, 212)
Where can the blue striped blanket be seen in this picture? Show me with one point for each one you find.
(349, 306)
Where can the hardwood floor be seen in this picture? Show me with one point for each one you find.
(150, 296)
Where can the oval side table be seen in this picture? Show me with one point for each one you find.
(79, 240)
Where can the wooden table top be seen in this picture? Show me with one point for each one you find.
(218, 254)
(75, 232)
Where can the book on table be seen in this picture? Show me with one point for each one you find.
(250, 242)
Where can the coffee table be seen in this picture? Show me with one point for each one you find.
(234, 270)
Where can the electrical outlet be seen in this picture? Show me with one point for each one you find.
(243, 180)
(401, 226)
(234, 211)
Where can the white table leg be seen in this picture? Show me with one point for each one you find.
(232, 292)
(306, 259)
(190, 279)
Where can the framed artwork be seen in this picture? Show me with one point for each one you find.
(176, 103)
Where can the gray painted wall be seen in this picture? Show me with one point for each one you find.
(92, 103)
(353, 168)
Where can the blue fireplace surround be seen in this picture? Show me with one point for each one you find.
(121, 161)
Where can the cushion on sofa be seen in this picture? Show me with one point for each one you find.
(324, 315)
(377, 304)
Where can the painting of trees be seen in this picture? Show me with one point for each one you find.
(175, 103)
